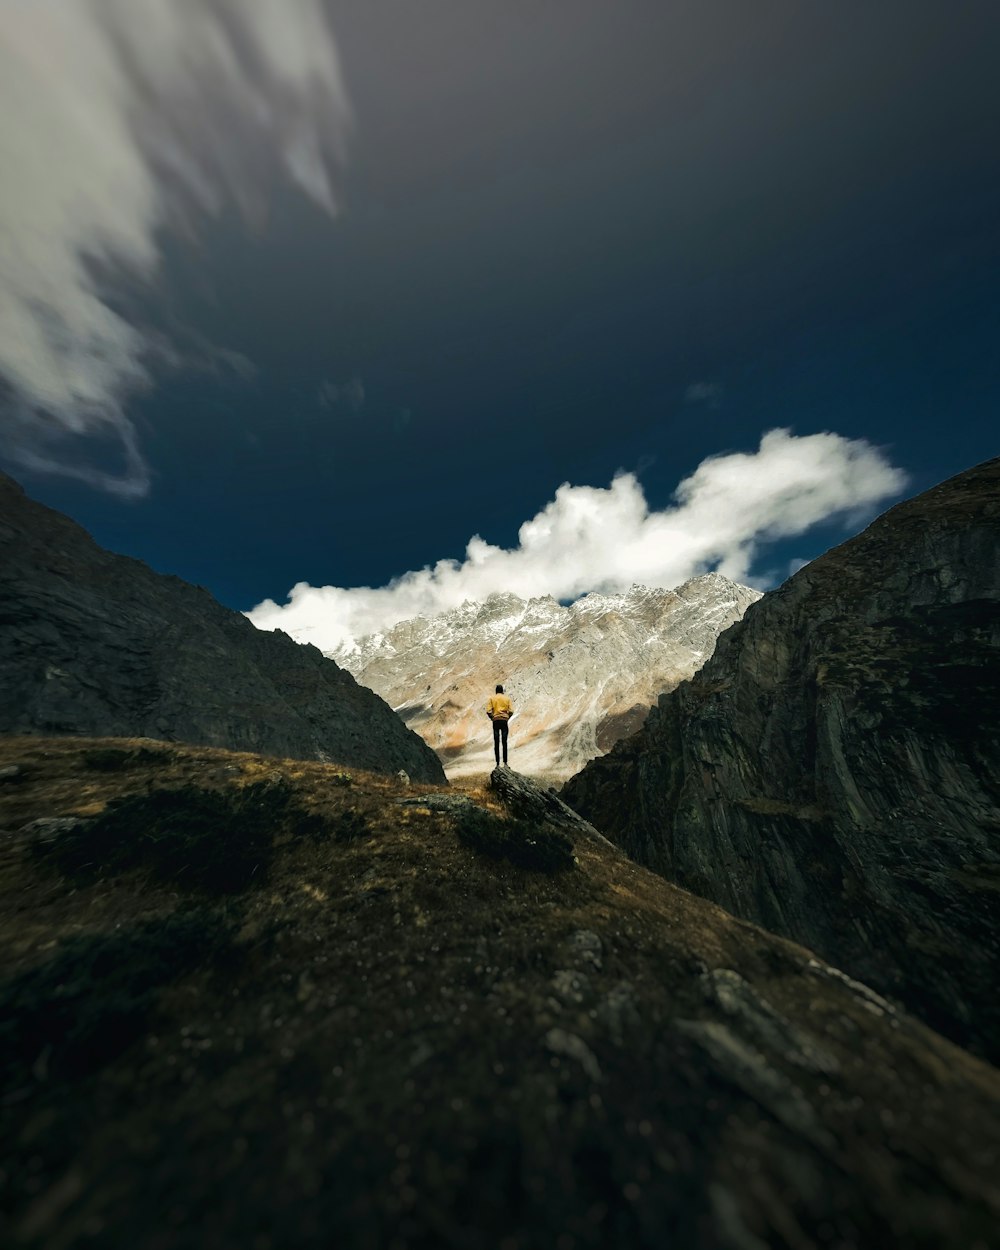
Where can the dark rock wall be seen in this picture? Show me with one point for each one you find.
(833, 773)
(96, 643)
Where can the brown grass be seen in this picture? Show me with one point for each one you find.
(371, 1049)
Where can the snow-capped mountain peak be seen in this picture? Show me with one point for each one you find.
(581, 676)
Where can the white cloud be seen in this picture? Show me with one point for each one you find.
(591, 538)
(708, 393)
(119, 120)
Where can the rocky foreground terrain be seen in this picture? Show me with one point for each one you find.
(581, 677)
(833, 772)
(259, 1003)
(96, 643)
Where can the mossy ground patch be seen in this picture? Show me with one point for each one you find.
(381, 1047)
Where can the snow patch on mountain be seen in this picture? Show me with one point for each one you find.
(581, 676)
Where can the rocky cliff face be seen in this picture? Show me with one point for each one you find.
(95, 643)
(833, 772)
(581, 677)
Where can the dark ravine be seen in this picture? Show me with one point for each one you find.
(833, 772)
(314, 1017)
(97, 643)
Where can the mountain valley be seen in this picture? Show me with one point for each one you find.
(581, 677)
(740, 994)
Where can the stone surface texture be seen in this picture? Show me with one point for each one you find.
(833, 772)
(525, 799)
(581, 677)
(96, 643)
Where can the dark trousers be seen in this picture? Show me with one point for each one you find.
(500, 734)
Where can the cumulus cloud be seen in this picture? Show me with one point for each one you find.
(606, 539)
(121, 120)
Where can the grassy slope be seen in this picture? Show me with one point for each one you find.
(387, 1039)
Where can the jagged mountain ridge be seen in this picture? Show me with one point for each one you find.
(581, 677)
(97, 643)
(832, 772)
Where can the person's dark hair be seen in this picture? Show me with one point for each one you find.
(499, 689)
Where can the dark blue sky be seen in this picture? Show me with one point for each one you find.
(556, 220)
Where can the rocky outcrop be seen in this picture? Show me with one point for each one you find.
(525, 799)
(833, 772)
(96, 643)
(383, 1036)
(581, 677)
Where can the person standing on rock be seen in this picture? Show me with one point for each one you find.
(499, 709)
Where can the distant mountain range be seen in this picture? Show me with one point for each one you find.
(581, 677)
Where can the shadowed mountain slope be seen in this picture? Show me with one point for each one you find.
(96, 643)
(833, 772)
(395, 1017)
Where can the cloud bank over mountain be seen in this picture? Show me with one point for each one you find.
(146, 117)
(606, 539)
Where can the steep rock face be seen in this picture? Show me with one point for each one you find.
(581, 677)
(833, 772)
(96, 643)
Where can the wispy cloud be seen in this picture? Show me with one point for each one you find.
(606, 539)
(708, 393)
(349, 395)
(121, 120)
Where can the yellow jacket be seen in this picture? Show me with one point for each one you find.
(499, 707)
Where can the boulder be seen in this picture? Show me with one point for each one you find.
(527, 800)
